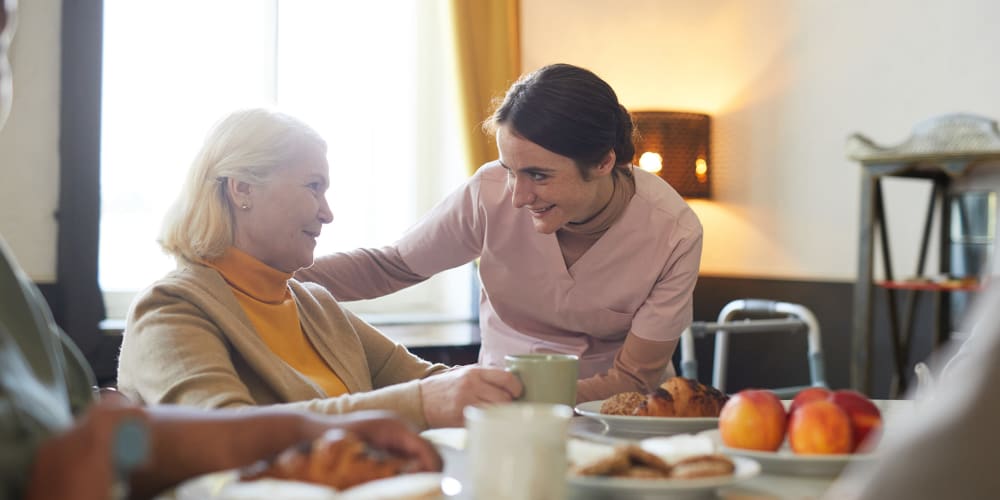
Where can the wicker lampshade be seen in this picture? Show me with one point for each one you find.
(682, 142)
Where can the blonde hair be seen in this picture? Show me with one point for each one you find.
(249, 146)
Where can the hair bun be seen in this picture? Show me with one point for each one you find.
(625, 145)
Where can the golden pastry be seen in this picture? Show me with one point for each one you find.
(337, 459)
(682, 397)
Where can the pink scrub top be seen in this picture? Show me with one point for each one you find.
(638, 277)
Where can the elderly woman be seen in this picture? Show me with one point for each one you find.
(231, 328)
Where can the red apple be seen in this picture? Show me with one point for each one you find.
(807, 395)
(866, 419)
(754, 420)
(820, 428)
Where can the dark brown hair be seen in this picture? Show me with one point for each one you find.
(570, 111)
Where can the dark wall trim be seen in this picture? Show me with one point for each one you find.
(77, 302)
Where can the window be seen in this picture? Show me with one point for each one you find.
(375, 78)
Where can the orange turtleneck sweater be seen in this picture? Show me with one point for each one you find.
(263, 293)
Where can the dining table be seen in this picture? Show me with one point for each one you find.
(772, 483)
(771, 476)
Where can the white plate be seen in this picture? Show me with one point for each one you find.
(613, 487)
(644, 427)
(225, 485)
(785, 462)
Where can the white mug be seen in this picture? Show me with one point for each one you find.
(517, 451)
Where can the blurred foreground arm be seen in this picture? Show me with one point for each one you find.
(947, 447)
(185, 443)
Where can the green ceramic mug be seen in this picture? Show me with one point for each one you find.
(546, 378)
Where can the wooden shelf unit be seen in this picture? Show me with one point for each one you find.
(941, 151)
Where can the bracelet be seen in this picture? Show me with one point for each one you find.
(130, 450)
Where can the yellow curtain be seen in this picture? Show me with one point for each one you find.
(488, 51)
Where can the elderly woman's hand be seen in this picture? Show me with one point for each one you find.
(445, 395)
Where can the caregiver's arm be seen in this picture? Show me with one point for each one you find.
(364, 273)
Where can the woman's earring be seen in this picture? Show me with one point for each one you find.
(244, 206)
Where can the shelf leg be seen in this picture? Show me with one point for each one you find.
(861, 331)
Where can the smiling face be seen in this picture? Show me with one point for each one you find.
(549, 186)
(283, 217)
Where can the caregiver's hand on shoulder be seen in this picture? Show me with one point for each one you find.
(445, 395)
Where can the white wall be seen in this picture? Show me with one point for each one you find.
(29, 147)
(786, 81)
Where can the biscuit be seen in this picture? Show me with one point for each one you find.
(642, 458)
(702, 466)
(642, 472)
(616, 463)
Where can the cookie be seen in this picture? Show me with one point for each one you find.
(702, 466)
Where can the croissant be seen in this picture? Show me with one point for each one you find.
(337, 459)
(694, 399)
(682, 397)
(660, 403)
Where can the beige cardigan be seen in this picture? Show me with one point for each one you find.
(187, 341)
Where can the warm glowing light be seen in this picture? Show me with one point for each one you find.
(651, 162)
(700, 169)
